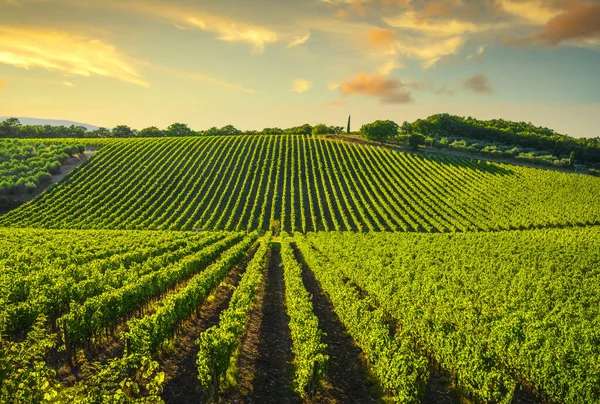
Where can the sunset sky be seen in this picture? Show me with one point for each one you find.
(266, 63)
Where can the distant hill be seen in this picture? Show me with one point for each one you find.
(53, 122)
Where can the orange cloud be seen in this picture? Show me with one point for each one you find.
(388, 90)
(382, 38)
(2, 84)
(334, 102)
(65, 52)
(478, 84)
(580, 22)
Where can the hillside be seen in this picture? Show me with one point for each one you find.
(306, 183)
(396, 283)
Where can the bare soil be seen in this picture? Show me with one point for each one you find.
(274, 370)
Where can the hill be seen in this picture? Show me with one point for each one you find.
(307, 184)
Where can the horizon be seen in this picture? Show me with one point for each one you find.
(214, 63)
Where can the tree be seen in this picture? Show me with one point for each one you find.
(379, 131)
(414, 140)
(572, 159)
(100, 132)
(77, 131)
(321, 129)
(179, 129)
(151, 131)
(272, 131)
(406, 128)
(230, 130)
(348, 127)
(122, 131)
(10, 127)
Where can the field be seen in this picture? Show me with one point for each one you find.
(318, 270)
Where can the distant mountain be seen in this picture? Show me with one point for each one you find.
(53, 122)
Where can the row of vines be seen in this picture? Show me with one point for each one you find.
(303, 184)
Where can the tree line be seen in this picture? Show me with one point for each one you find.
(12, 128)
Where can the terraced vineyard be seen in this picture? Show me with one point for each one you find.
(397, 277)
(243, 183)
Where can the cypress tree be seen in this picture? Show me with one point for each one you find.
(348, 128)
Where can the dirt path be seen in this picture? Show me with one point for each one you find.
(274, 372)
(347, 379)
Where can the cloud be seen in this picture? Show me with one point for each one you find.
(428, 51)
(299, 40)
(391, 91)
(301, 86)
(578, 23)
(533, 12)
(67, 83)
(479, 54)
(382, 39)
(390, 66)
(225, 29)
(334, 102)
(478, 84)
(65, 52)
(419, 37)
(2, 84)
(438, 27)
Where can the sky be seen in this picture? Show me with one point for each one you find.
(281, 63)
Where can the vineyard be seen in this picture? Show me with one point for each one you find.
(244, 183)
(317, 271)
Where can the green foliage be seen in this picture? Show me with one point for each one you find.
(394, 360)
(379, 131)
(491, 308)
(521, 134)
(146, 334)
(188, 183)
(131, 378)
(322, 129)
(310, 360)
(121, 131)
(179, 129)
(414, 140)
(218, 344)
(152, 131)
(406, 128)
(25, 164)
(24, 376)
